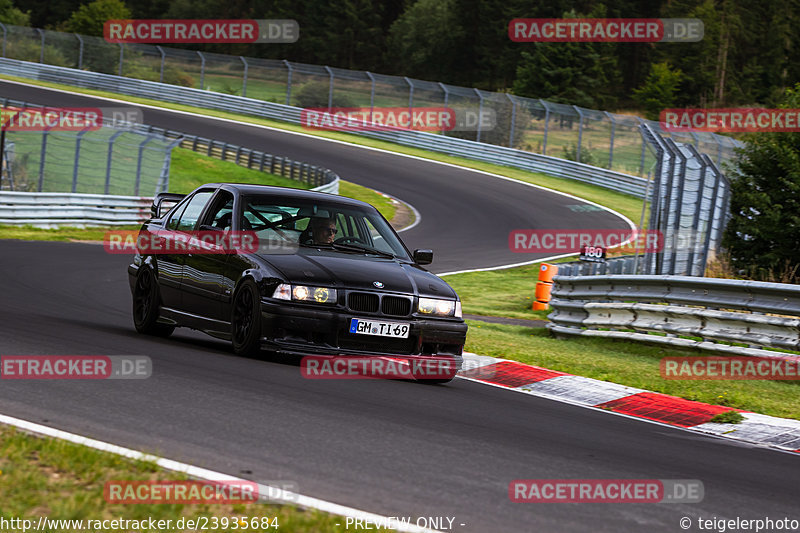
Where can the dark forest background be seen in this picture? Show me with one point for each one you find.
(747, 58)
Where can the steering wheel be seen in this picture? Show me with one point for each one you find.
(345, 240)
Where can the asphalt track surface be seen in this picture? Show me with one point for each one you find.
(389, 447)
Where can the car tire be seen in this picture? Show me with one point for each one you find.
(146, 300)
(246, 319)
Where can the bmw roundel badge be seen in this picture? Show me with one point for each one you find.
(378, 284)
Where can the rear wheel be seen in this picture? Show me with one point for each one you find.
(145, 305)
(246, 319)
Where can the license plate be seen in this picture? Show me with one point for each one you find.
(361, 326)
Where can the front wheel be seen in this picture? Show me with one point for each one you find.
(145, 305)
(246, 319)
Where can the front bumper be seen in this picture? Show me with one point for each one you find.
(310, 330)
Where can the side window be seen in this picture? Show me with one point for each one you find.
(193, 210)
(221, 213)
(176, 216)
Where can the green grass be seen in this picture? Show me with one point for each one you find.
(728, 417)
(188, 170)
(627, 363)
(60, 480)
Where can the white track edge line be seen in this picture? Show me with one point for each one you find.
(285, 497)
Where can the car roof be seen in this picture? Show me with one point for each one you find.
(285, 192)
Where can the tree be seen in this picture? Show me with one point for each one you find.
(763, 234)
(659, 90)
(90, 18)
(11, 15)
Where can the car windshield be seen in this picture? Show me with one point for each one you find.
(340, 227)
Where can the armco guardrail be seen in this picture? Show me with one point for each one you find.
(52, 209)
(721, 312)
(617, 181)
(323, 179)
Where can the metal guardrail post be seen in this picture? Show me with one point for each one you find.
(163, 59)
(371, 95)
(41, 50)
(697, 208)
(446, 98)
(480, 114)
(641, 164)
(410, 95)
(163, 179)
(139, 163)
(78, 139)
(110, 158)
(244, 77)
(580, 133)
(202, 69)
(611, 138)
(546, 124)
(121, 57)
(513, 120)
(288, 82)
(42, 157)
(5, 32)
(80, 50)
(330, 86)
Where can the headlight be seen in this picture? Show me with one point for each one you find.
(434, 307)
(304, 293)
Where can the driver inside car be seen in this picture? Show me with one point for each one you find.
(323, 230)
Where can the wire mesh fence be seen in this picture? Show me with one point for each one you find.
(597, 138)
(105, 160)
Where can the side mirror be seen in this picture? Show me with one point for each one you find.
(423, 257)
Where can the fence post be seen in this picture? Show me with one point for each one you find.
(480, 114)
(580, 132)
(611, 140)
(330, 87)
(77, 159)
(410, 95)
(513, 120)
(163, 58)
(697, 209)
(5, 31)
(546, 125)
(446, 98)
(244, 77)
(641, 164)
(288, 82)
(120, 59)
(371, 95)
(202, 70)
(110, 158)
(42, 156)
(80, 50)
(41, 50)
(139, 163)
(163, 179)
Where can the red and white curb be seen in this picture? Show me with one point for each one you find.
(758, 429)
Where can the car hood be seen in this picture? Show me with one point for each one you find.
(356, 271)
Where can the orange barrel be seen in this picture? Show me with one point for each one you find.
(539, 306)
(543, 291)
(547, 271)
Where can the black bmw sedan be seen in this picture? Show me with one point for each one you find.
(290, 271)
